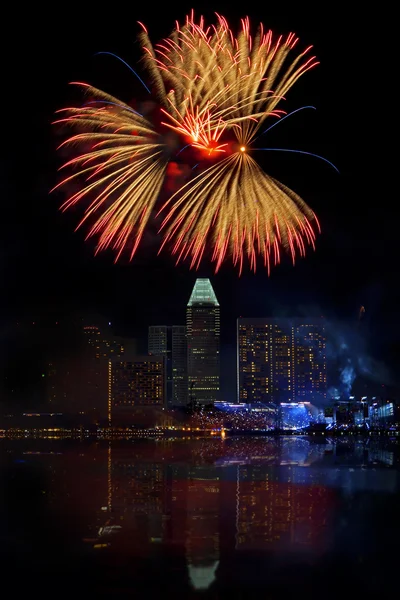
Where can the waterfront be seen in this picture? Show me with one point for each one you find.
(235, 517)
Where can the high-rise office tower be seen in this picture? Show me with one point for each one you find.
(203, 338)
(309, 359)
(171, 343)
(179, 366)
(281, 360)
(138, 382)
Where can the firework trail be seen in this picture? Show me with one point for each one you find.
(124, 169)
(210, 80)
(215, 91)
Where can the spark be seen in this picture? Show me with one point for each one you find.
(283, 118)
(302, 152)
(127, 65)
(216, 91)
(122, 167)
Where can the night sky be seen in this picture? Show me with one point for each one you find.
(48, 271)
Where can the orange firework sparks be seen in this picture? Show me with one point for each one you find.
(212, 80)
(214, 88)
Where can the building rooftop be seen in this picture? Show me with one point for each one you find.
(203, 293)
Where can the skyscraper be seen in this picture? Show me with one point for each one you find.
(281, 360)
(78, 383)
(170, 342)
(203, 337)
(179, 366)
(309, 359)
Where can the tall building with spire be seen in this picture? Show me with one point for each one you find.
(203, 336)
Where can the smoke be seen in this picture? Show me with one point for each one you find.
(351, 367)
(347, 377)
(348, 351)
(176, 176)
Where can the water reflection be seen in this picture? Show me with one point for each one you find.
(215, 516)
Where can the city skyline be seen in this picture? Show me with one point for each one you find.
(350, 365)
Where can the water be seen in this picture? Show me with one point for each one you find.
(236, 518)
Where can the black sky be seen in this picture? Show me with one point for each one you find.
(47, 269)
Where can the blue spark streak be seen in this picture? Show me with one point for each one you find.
(182, 149)
(114, 104)
(127, 65)
(283, 118)
(301, 152)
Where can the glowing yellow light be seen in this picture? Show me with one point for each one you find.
(242, 149)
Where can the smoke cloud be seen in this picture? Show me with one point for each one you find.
(351, 365)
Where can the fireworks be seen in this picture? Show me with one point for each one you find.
(214, 92)
(126, 162)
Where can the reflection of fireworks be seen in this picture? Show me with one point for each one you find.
(216, 92)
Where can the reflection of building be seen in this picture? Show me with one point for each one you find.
(202, 542)
(280, 360)
(194, 512)
(276, 511)
(135, 383)
(171, 343)
(137, 496)
(203, 332)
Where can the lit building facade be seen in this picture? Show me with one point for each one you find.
(139, 382)
(203, 339)
(171, 343)
(281, 360)
(309, 358)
